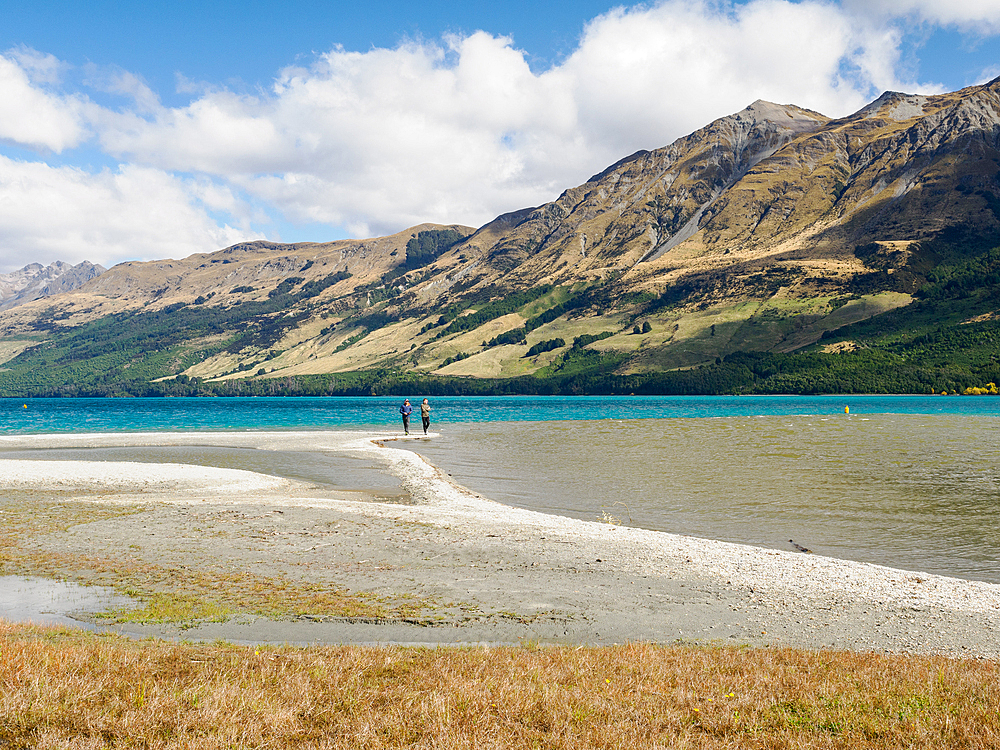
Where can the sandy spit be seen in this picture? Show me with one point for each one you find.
(503, 574)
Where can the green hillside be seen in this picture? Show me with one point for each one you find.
(946, 340)
(773, 251)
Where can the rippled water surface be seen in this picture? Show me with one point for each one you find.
(916, 492)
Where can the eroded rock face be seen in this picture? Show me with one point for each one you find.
(36, 281)
(771, 179)
(902, 168)
(645, 204)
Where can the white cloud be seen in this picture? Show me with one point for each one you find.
(124, 83)
(978, 16)
(646, 76)
(373, 140)
(63, 213)
(29, 115)
(40, 68)
(462, 130)
(988, 74)
(459, 129)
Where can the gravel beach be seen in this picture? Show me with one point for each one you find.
(482, 572)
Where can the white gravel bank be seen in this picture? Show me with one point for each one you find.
(623, 583)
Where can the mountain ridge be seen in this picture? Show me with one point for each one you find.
(35, 281)
(770, 230)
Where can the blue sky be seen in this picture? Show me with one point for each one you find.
(152, 130)
(250, 41)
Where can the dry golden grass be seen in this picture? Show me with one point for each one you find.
(65, 689)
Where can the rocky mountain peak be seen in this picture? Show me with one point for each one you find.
(35, 281)
(895, 105)
(788, 116)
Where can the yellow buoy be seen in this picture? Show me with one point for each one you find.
(25, 406)
(847, 410)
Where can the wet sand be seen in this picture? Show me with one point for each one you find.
(495, 574)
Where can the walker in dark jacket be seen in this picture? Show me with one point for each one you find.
(406, 410)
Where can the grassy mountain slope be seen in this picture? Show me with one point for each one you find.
(773, 250)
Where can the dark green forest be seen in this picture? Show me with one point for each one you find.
(927, 346)
(950, 359)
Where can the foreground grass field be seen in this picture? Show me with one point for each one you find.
(68, 689)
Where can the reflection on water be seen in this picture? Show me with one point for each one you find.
(915, 492)
(46, 602)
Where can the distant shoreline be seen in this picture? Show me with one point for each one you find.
(495, 573)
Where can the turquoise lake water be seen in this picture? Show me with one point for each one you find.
(153, 414)
(907, 481)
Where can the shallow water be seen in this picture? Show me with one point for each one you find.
(915, 492)
(906, 481)
(46, 602)
(332, 470)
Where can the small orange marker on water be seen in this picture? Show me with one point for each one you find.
(25, 406)
(847, 410)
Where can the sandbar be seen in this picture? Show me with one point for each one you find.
(498, 574)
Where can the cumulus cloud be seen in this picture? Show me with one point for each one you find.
(646, 75)
(373, 140)
(979, 16)
(31, 116)
(64, 213)
(40, 68)
(123, 83)
(461, 129)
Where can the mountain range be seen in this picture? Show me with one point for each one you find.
(775, 249)
(36, 281)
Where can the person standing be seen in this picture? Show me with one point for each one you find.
(406, 410)
(425, 415)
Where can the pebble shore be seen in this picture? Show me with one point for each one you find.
(500, 574)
